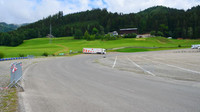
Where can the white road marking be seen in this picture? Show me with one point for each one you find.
(174, 66)
(179, 62)
(141, 67)
(114, 62)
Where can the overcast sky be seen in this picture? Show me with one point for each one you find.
(27, 11)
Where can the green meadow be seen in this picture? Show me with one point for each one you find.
(55, 46)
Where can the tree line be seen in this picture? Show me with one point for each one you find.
(156, 20)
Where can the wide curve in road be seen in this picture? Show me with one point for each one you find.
(81, 84)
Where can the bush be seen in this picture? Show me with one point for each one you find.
(98, 36)
(179, 45)
(107, 37)
(21, 55)
(110, 37)
(1, 55)
(159, 33)
(45, 54)
(153, 33)
(86, 35)
(132, 35)
(91, 37)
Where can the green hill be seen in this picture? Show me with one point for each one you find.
(64, 44)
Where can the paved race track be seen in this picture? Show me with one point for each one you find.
(89, 83)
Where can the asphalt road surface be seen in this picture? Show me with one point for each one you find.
(118, 83)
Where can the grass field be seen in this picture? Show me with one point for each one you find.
(8, 101)
(63, 44)
(147, 49)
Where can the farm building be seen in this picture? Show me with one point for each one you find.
(127, 31)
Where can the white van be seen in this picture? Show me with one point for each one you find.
(195, 46)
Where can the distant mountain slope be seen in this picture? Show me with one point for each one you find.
(4, 27)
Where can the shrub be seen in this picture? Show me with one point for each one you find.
(153, 33)
(110, 37)
(159, 33)
(86, 35)
(21, 55)
(95, 31)
(45, 54)
(179, 45)
(1, 55)
(132, 35)
(91, 37)
(98, 36)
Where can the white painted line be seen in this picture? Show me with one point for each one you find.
(174, 66)
(114, 62)
(141, 67)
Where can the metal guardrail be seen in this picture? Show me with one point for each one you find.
(15, 74)
(16, 58)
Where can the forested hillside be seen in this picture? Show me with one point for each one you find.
(167, 21)
(7, 27)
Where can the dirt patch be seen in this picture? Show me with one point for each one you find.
(65, 49)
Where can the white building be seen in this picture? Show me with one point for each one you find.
(114, 33)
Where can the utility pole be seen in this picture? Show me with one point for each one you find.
(50, 28)
(50, 34)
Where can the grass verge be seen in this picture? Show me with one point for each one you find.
(146, 49)
(8, 100)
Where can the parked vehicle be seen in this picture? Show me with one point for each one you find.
(195, 46)
(94, 51)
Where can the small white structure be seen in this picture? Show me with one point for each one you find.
(143, 35)
(114, 33)
(50, 36)
(197, 46)
(169, 37)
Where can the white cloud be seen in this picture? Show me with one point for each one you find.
(13, 11)
(23, 11)
(127, 6)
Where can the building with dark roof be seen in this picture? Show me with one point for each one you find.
(128, 31)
